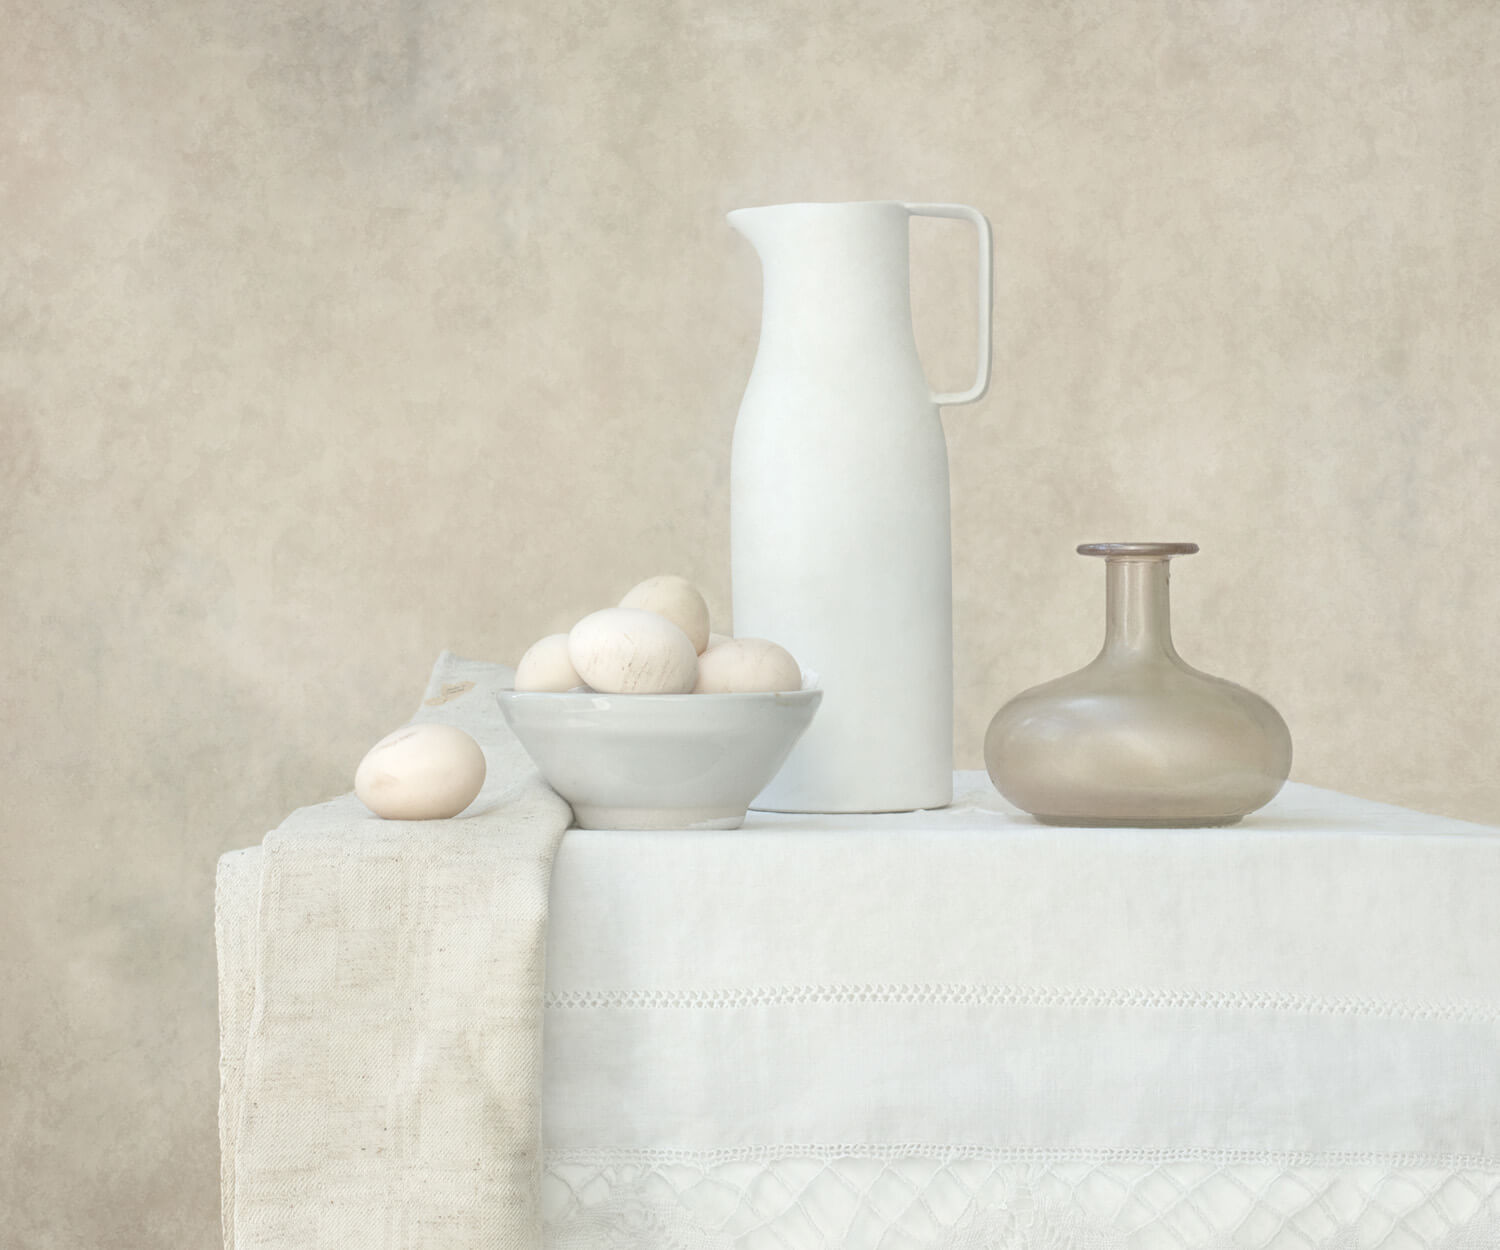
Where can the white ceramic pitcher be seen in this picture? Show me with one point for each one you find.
(839, 514)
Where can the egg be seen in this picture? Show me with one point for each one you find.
(421, 772)
(740, 665)
(631, 651)
(678, 600)
(715, 639)
(546, 666)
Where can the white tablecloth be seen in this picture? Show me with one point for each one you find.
(949, 1030)
(961, 1029)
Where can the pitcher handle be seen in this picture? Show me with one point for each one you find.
(986, 297)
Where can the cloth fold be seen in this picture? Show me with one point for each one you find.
(381, 989)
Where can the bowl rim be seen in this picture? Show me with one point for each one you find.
(660, 700)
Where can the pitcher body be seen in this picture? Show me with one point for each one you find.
(839, 508)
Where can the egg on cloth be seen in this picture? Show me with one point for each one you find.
(631, 651)
(678, 600)
(546, 666)
(421, 772)
(744, 665)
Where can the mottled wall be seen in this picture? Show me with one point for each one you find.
(332, 334)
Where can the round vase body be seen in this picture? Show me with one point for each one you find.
(1138, 737)
(839, 509)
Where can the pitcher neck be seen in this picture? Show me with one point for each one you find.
(832, 270)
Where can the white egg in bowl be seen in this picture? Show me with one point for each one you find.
(658, 761)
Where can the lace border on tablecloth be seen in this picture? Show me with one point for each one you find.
(928, 1198)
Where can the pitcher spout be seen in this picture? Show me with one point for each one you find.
(750, 223)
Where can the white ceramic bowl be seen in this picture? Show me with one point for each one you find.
(658, 761)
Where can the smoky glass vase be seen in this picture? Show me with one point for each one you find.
(1138, 737)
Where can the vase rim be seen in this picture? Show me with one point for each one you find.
(1137, 551)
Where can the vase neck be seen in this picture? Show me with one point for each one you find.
(1138, 608)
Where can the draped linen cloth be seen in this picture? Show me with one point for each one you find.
(381, 1009)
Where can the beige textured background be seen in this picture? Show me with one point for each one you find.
(334, 333)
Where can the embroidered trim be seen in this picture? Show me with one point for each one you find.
(1015, 996)
(804, 1201)
(1329, 1159)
